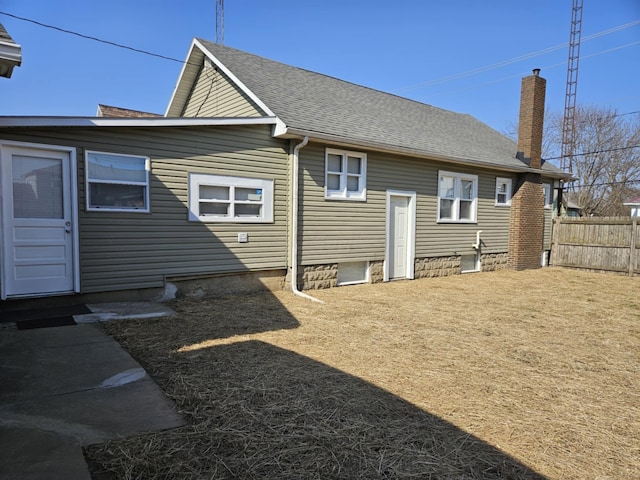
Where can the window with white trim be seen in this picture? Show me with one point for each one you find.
(117, 182)
(457, 197)
(345, 175)
(503, 191)
(219, 198)
(470, 263)
(350, 273)
(546, 187)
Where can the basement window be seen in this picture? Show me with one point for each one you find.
(218, 198)
(117, 182)
(350, 273)
(470, 263)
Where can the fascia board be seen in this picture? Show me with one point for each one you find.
(234, 79)
(340, 141)
(190, 64)
(11, 52)
(280, 125)
(15, 122)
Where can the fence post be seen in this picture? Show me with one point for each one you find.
(632, 253)
(555, 227)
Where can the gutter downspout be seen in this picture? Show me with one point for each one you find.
(294, 224)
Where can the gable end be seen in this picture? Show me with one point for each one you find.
(214, 95)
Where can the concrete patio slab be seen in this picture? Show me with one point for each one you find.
(66, 387)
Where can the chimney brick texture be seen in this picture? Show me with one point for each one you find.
(526, 226)
(531, 122)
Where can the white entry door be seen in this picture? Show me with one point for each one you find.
(400, 235)
(38, 222)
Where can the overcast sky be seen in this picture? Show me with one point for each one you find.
(441, 52)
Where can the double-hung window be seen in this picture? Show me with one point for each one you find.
(457, 197)
(117, 182)
(218, 198)
(503, 191)
(345, 175)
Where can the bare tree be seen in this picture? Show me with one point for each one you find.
(606, 158)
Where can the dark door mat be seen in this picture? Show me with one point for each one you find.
(45, 322)
(11, 316)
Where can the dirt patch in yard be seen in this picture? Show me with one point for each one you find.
(492, 375)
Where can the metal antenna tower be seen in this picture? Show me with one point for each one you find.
(220, 22)
(569, 123)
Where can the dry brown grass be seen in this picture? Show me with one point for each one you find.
(492, 375)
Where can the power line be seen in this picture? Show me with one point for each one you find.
(584, 186)
(89, 37)
(595, 151)
(521, 74)
(520, 58)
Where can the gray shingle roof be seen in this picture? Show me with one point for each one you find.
(10, 53)
(316, 103)
(4, 35)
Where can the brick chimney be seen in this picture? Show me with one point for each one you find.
(526, 227)
(530, 126)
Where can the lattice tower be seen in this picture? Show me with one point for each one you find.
(220, 22)
(568, 124)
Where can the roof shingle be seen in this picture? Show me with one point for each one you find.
(312, 102)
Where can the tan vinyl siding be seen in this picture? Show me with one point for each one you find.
(215, 96)
(342, 231)
(129, 250)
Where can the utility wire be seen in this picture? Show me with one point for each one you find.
(584, 186)
(520, 58)
(594, 152)
(519, 75)
(95, 39)
(420, 85)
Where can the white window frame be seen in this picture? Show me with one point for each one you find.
(266, 200)
(458, 178)
(508, 182)
(364, 279)
(477, 263)
(548, 202)
(145, 184)
(342, 193)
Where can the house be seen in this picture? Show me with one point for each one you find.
(266, 170)
(634, 203)
(110, 111)
(10, 53)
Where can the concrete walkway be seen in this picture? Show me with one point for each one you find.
(66, 387)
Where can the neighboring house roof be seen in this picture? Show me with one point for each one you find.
(633, 201)
(329, 109)
(573, 205)
(10, 53)
(109, 111)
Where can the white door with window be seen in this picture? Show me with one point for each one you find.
(38, 221)
(400, 235)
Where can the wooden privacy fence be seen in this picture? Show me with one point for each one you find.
(609, 244)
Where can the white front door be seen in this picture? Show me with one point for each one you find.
(398, 237)
(37, 221)
(401, 227)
